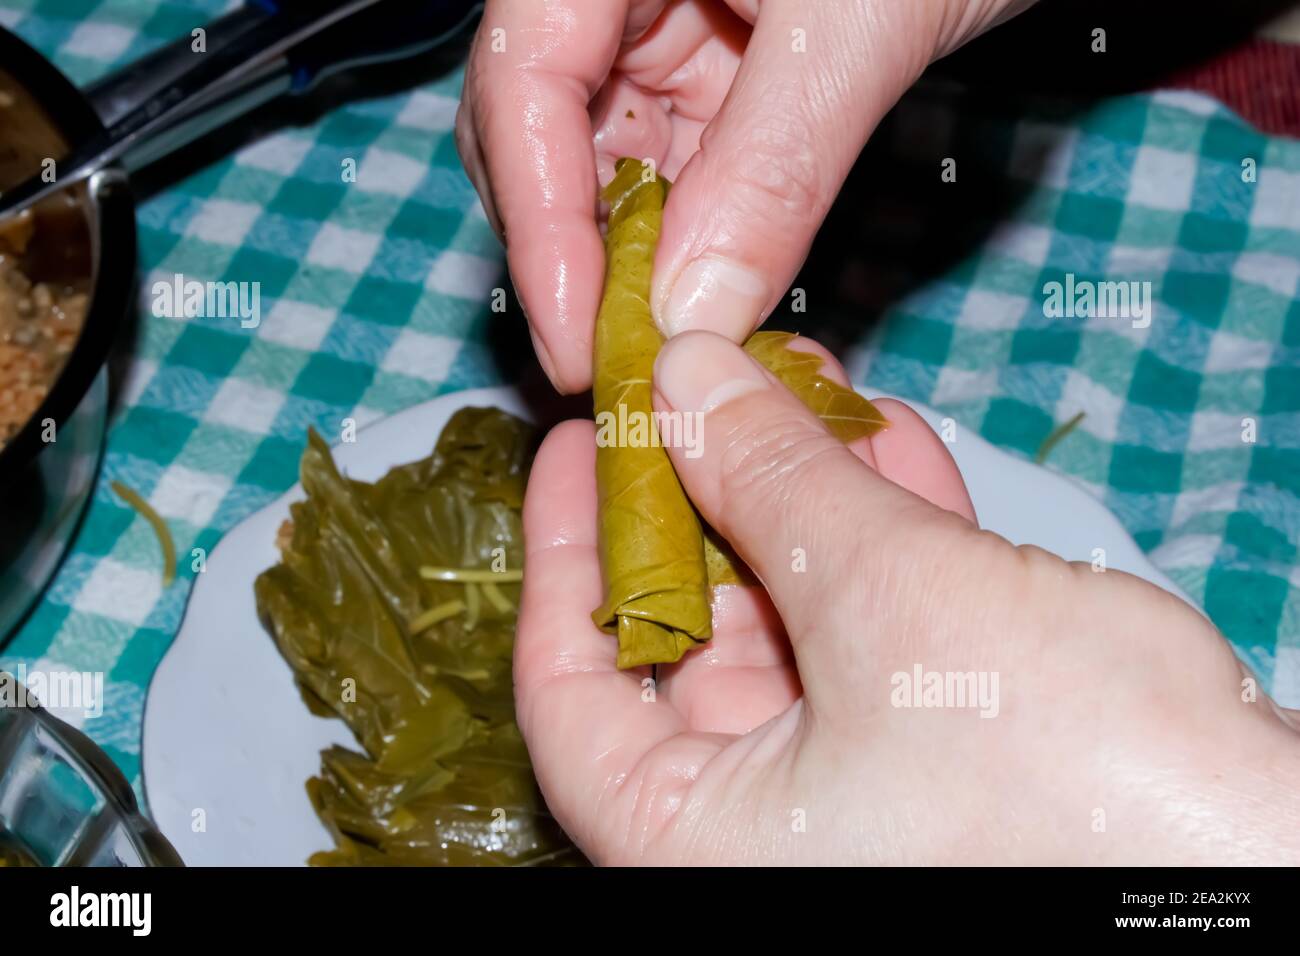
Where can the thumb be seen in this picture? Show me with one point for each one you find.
(838, 547)
(815, 80)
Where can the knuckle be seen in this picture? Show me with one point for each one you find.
(776, 173)
(768, 460)
(1042, 566)
(1049, 574)
(1010, 572)
(464, 131)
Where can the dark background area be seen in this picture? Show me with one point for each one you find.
(895, 226)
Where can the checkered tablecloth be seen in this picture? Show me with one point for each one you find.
(375, 296)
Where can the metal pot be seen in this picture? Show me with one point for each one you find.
(147, 110)
(48, 468)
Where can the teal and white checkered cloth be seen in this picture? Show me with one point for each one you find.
(375, 296)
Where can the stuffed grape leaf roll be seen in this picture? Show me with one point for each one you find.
(651, 544)
(659, 561)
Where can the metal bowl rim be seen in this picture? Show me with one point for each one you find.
(111, 225)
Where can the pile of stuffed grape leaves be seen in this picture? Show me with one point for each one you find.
(395, 605)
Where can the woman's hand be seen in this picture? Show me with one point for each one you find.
(1080, 717)
(755, 108)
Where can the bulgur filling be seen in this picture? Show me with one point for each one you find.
(44, 267)
(39, 325)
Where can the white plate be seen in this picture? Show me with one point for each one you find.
(228, 742)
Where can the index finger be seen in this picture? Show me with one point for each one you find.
(533, 70)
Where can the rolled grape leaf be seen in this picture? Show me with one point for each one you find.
(651, 544)
(847, 414)
(443, 777)
(659, 561)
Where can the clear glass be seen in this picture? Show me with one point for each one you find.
(64, 803)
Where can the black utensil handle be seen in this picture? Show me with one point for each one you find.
(254, 54)
(125, 90)
(389, 29)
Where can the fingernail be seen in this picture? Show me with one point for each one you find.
(700, 371)
(716, 295)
